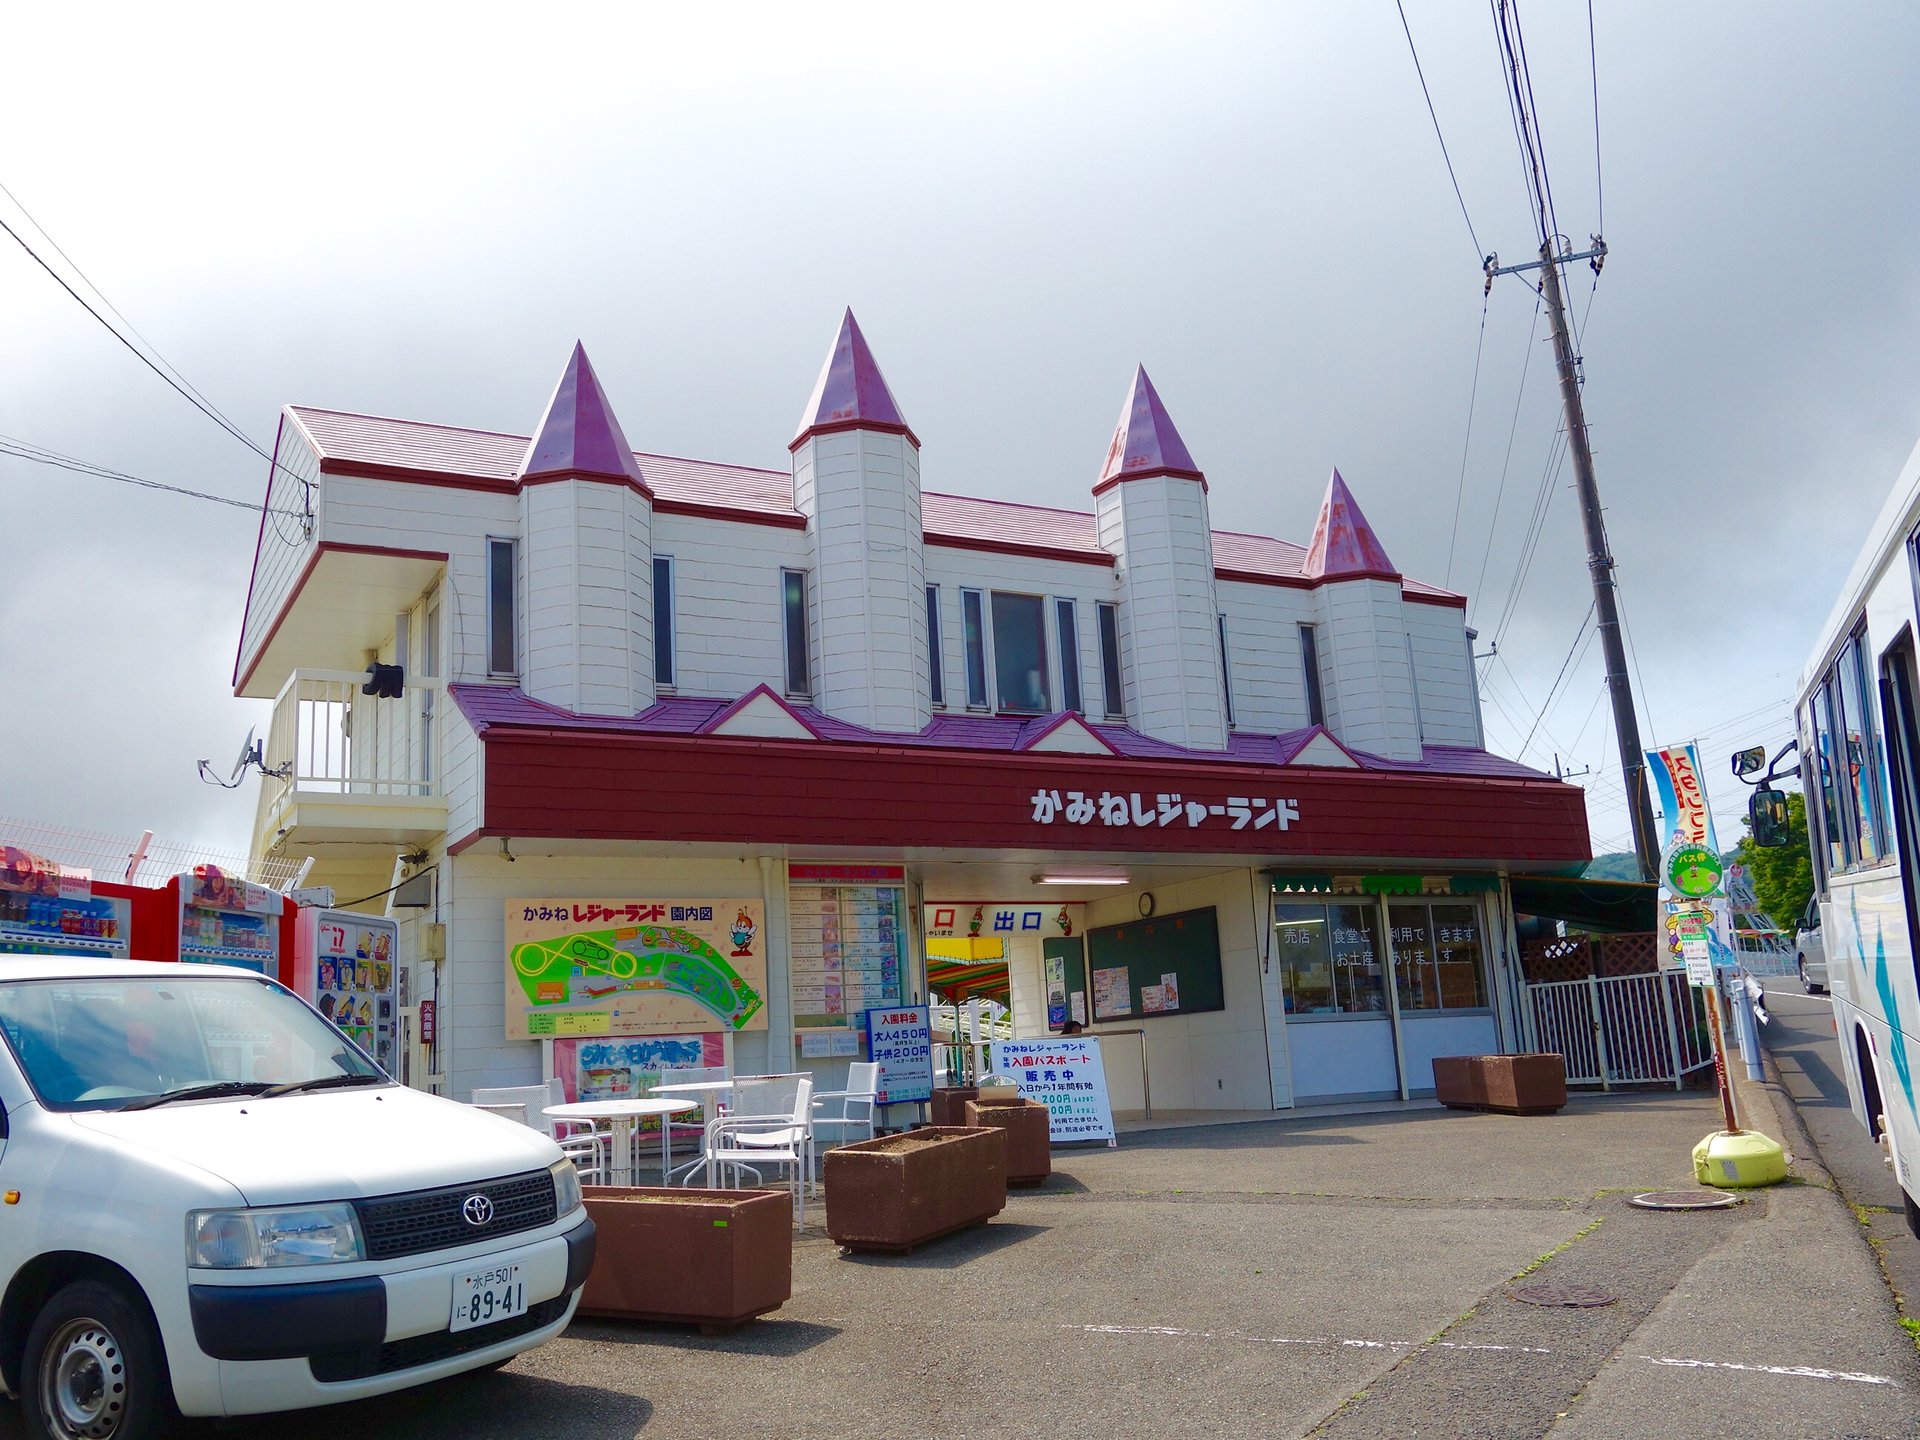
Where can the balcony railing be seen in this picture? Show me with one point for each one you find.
(329, 743)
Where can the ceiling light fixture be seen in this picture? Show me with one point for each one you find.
(1107, 877)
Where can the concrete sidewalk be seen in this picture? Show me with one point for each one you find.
(1340, 1275)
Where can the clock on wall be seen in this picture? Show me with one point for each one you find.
(1146, 903)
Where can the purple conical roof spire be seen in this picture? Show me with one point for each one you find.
(1344, 545)
(578, 435)
(851, 393)
(1145, 441)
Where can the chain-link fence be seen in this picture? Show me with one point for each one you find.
(108, 855)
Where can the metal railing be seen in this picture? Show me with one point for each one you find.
(1622, 1029)
(326, 738)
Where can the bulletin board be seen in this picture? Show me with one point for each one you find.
(1166, 965)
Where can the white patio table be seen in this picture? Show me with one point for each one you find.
(620, 1115)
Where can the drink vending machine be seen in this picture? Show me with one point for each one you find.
(46, 909)
(345, 964)
(221, 919)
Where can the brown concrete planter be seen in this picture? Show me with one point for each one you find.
(1512, 1084)
(900, 1191)
(949, 1103)
(712, 1258)
(1029, 1141)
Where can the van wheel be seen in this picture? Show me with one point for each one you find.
(94, 1369)
(1913, 1214)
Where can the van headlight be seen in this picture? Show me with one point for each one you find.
(566, 1189)
(284, 1235)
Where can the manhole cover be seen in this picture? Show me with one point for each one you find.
(1573, 1297)
(1685, 1200)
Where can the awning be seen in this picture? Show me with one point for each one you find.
(958, 981)
(1615, 906)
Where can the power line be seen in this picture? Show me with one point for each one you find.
(1599, 185)
(1478, 252)
(1513, 429)
(22, 450)
(1466, 445)
(1554, 688)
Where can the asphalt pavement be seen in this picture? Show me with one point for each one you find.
(1349, 1275)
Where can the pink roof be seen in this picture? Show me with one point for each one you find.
(579, 435)
(1343, 542)
(851, 393)
(1145, 441)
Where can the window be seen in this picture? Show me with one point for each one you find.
(1226, 671)
(1020, 653)
(936, 665)
(430, 660)
(793, 609)
(1329, 959)
(1897, 709)
(1067, 627)
(429, 670)
(1310, 672)
(1111, 694)
(1436, 957)
(663, 620)
(1865, 765)
(973, 628)
(502, 651)
(1413, 678)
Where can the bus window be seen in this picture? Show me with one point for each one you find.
(1897, 678)
(1832, 816)
(1863, 773)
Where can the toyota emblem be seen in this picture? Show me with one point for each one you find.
(477, 1209)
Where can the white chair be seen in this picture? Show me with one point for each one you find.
(577, 1139)
(694, 1123)
(851, 1108)
(767, 1126)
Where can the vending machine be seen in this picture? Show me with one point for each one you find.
(46, 909)
(221, 919)
(346, 964)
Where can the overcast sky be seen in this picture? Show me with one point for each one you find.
(353, 208)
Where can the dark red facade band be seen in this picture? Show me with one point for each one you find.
(547, 783)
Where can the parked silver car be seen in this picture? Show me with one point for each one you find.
(1810, 950)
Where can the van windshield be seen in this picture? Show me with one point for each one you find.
(107, 1043)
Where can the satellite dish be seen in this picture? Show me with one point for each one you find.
(247, 756)
(250, 754)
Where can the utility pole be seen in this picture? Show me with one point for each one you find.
(1626, 727)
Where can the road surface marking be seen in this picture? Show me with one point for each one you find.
(1805, 1372)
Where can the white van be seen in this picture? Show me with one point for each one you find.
(212, 1203)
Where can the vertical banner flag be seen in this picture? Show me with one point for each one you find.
(1693, 900)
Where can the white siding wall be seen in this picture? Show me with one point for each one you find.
(1449, 713)
(727, 601)
(954, 570)
(861, 489)
(1165, 553)
(587, 557)
(1364, 645)
(1263, 652)
(284, 543)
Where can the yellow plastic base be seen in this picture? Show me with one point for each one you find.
(1747, 1158)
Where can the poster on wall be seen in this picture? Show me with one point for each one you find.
(1112, 994)
(629, 1068)
(847, 941)
(634, 967)
(1056, 974)
(900, 1042)
(1066, 1075)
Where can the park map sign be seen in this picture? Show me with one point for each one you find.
(635, 967)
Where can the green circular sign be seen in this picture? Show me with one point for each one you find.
(1693, 870)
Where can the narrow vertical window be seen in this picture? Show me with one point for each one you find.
(429, 670)
(1020, 653)
(935, 664)
(501, 619)
(973, 627)
(430, 659)
(1226, 671)
(1069, 635)
(1310, 671)
(793, 605)
(1111, 697)
(1413, 679)
(663, 620)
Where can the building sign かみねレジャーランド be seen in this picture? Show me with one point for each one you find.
(1132, 809)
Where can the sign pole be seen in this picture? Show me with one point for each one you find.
(1720, 1076)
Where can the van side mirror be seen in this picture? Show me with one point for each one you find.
(1746, 762)
(1767, 818)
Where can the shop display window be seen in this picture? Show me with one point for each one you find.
(1329, 959)
(1437, 953)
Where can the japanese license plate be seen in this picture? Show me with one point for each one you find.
(481, 1297)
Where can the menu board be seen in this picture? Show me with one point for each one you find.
(848, 941)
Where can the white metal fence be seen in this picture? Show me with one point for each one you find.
(1622, 1029)
(331, 739)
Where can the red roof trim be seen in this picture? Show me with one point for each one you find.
(1451, 602)
(368, 470)
(1314, 732)
(762, 689)
(1014, 547)
(834, 427)
(325, 547)
(790, 520)
(1167, 470)
(555, 477)
(1064, 718)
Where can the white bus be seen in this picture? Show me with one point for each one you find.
(1857, 711)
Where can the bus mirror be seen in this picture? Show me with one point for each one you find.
(1746, 762)
(1767, 818)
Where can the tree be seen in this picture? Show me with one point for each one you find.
(1783, 875)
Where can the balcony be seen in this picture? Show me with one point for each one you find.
(343, 767)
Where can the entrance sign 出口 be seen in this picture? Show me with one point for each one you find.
(634, 967)
(1066, 1075)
